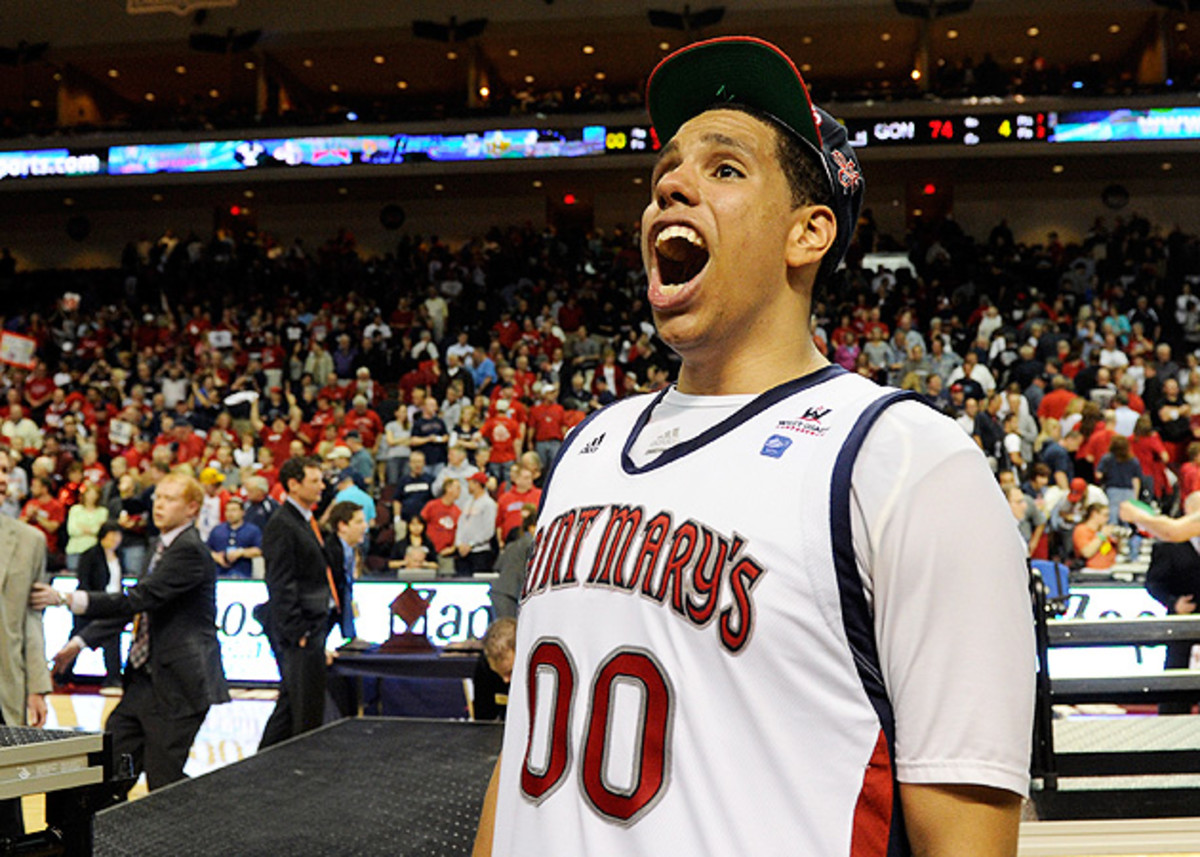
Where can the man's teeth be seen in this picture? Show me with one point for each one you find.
(671, 290)
(677, 251)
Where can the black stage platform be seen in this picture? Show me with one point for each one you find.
(355, 788)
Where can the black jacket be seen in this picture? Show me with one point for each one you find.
(297, 587)
(1174, 571)
(180, 598)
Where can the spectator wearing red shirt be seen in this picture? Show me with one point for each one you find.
(189, 446)
(363, 420)
(278, 436)
(612, 374)
(44, 512)
(39, 387)
(441, 524)
(507, 331)
(1054, 404)
(547, 424)
(503, 434)
(512, 501)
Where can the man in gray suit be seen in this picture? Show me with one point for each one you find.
(24, 679)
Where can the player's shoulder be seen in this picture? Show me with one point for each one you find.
(911, 432)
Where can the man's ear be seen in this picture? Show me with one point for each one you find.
(813, 233)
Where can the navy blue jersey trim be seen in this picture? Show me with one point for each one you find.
(856, 615)
(751, 409)
(562, 452)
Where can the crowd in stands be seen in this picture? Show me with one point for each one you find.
(437, 383)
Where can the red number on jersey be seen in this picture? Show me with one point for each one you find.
(646, 740)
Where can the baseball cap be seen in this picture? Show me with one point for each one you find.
(1078, 489)
(211, 476)
(339, 452)
(755, 73)
(479, 476)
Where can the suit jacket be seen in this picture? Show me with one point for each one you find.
(22, 646)
(1174, 571)
(297, 589)
(341, 615)
(180, 598)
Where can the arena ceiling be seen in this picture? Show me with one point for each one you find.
(333, 56)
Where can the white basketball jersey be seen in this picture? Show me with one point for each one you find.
(696, 670)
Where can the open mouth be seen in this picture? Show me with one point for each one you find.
(681, 253)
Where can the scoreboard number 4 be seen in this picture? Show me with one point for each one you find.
(626, 738)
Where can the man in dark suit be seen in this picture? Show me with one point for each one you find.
(1173, 578)
(173, 672)
(301, 592)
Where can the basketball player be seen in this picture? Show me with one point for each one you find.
(775, 609)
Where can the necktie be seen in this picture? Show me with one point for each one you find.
(139, 651)
(337, 602)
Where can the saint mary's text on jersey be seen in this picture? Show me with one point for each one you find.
(689, 567)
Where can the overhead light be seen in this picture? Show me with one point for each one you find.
(439, 187)
(378, 59)
(637, 179)
(886, 37)
(1166, 165)
(1181, 27)
(1057, 168)
(529, 78)
(806, 67)
(952, 34)
(68, 202)
(1114, 28)
(807, 40)
(1018, 60)
(35, 103)
(248, 65)
(57, 76)
(589, 49)
(664, 46)
(214, 93)
(600, 75)
(402, 84)
(113, 73)
(484, 92)
(513, 52)
(1095, 57)
(1032, 32)
(307, 63)
(879, 63)
(149, 96)
(451, 55)
(181, 69)
(537, 182)
(156, 197)
(248, 194)
(333, 87)
(351, 116)
(342, 191)
(915, 74)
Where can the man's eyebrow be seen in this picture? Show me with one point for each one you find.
(712, 138)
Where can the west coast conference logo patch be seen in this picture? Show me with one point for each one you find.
(775, 446)
(808, 423)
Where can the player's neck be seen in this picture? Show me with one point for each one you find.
(755, 372)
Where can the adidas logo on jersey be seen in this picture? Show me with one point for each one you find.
(592, 445)
(808, 423)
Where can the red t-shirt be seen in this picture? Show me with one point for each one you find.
(441, 522)
(511, 503)
(367, 424)
(502, 433)
(548, 421)
(47, 509)
(279, 443)
(37, 389)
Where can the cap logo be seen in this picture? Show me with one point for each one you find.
(848, 174)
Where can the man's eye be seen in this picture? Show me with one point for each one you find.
(728, 171)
